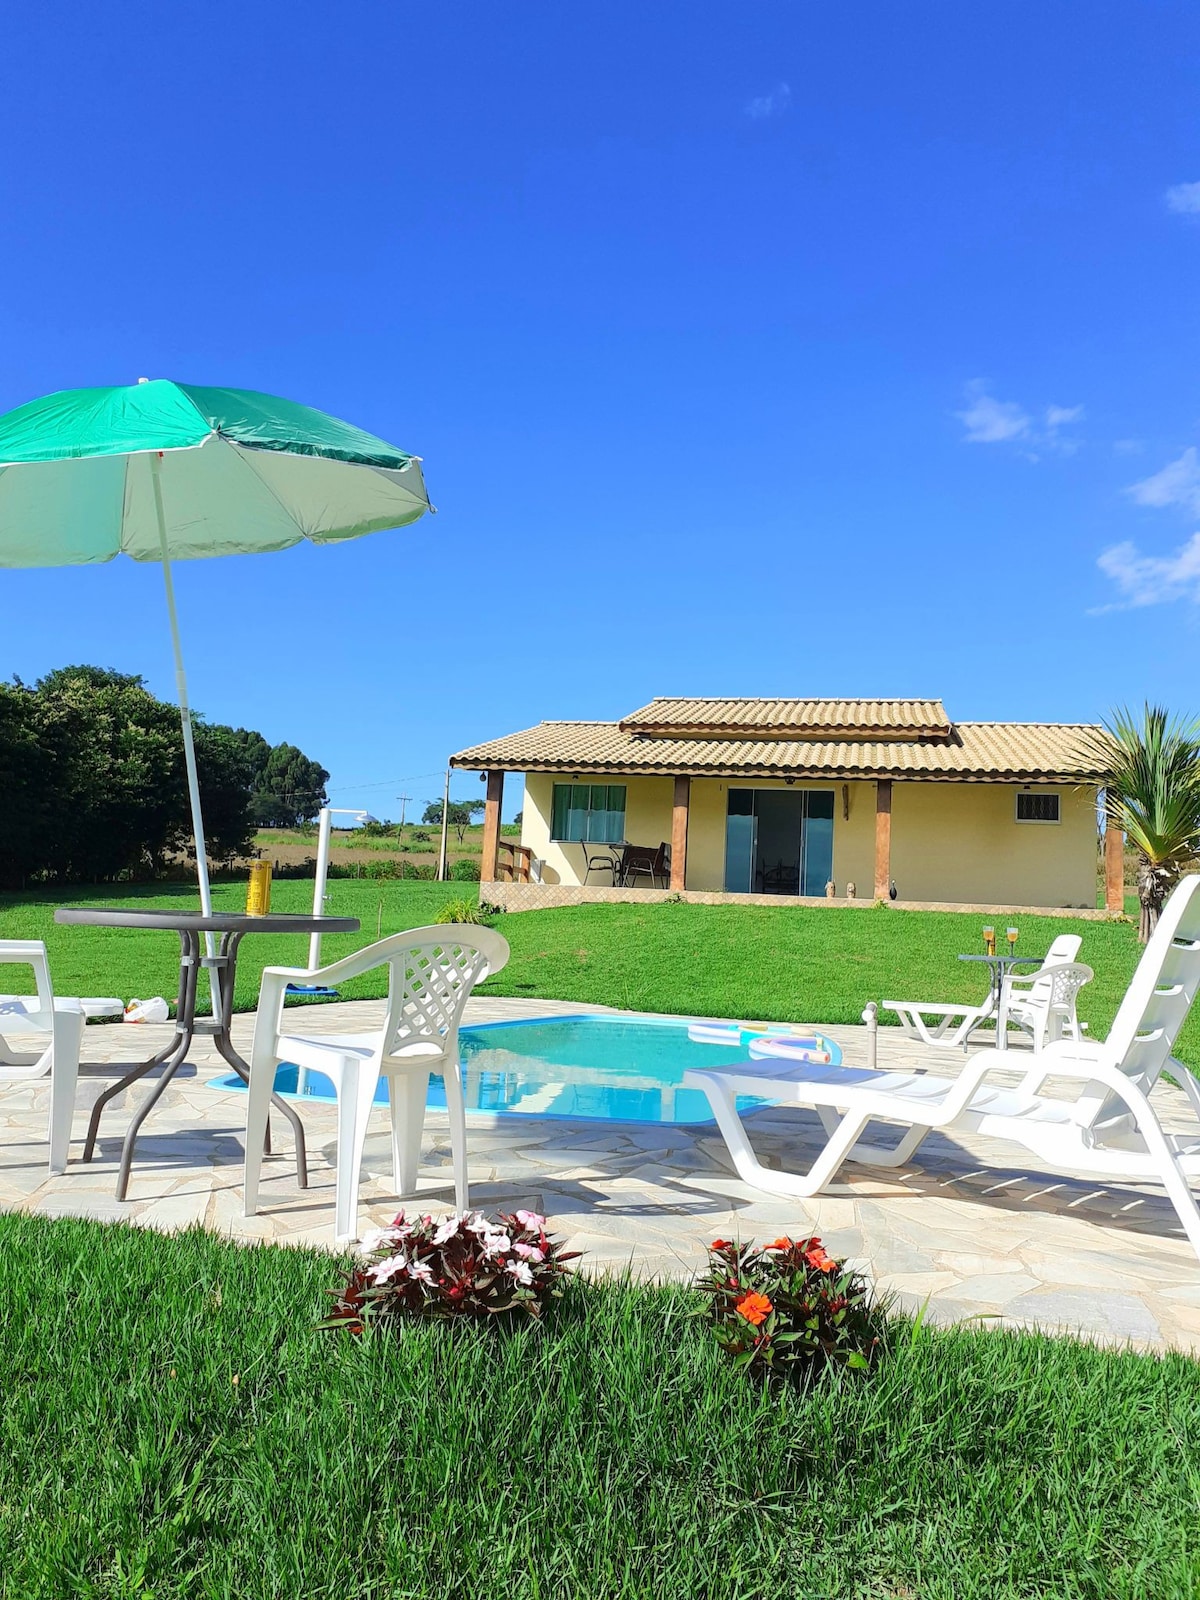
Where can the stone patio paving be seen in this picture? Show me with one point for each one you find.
(974, 1227)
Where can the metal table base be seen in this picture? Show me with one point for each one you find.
(222, 969)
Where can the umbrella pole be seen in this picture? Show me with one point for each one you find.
(185, 715)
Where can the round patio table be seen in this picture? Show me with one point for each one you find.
(222, 967)
(1001, 967)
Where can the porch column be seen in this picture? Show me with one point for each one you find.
(491, 826)
(883, 838)
(679, 830)
(1114, 865)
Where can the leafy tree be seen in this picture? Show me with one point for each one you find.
(290, 789)
(1150, 769)
(224, 791)
(92, 773)
(24, 783)
(116, 797)
(461, 814)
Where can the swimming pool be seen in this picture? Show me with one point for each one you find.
(612, 1069)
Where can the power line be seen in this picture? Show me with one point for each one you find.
(386, 783)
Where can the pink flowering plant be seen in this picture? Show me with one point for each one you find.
(788, 1307)
(462, 1265)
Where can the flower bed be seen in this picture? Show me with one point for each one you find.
(788, 1306)
(459, 1266)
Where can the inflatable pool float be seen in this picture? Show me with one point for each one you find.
(814, 1047)
(733, 1034)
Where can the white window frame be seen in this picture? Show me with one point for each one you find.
(1037, 822)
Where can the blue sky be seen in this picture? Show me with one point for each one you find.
(759, 348)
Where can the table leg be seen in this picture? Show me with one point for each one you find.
(1001, 1012)
(185, 1011)
(223, 1020)
(140, 1115)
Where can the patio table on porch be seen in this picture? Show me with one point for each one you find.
(1001, 966)
(222, 968)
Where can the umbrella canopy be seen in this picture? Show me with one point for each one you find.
(174, 471)
(239, 472)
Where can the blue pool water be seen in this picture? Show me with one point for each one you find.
(606, 1068)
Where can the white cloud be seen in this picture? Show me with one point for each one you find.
(1184, 198)
(1177, 484)
(773, 104)
(1151, 580)
(991, 421)
(1057, 416)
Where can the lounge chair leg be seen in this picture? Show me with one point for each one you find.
(1174, 1180)
(793, 1186)
(875, 1155)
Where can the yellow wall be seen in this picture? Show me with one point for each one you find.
(961, 841)
(950, 841)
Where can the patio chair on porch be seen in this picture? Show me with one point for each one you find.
(609, 861)
(431, 973)
(53, 1025)
(1107, 1130)
(642, 861)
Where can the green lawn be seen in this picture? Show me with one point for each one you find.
(171, 1425)
(808, 964)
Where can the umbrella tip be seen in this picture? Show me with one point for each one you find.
(143, 380)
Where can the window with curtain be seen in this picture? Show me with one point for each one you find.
(588, 813)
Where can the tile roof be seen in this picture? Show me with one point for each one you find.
(980, 752)
(671, 718)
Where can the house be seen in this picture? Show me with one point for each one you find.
(790, 797)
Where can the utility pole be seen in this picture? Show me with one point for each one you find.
(403, 799)
(443, 874)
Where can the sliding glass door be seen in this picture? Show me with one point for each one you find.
(778, 841)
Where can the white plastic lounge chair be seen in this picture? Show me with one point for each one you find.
(952, 1025)
(1109, 1130)
(1044, 1001)
(432, 972)
(34, 1017)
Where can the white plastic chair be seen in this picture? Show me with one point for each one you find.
(1109, 1130)
(1044, 1002)
(40, 1015)
(952, 1025)
(432, 971)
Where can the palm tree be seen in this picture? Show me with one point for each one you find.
(1150, 769)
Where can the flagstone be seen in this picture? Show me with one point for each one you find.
(965, 1227)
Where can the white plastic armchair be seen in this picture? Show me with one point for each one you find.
(948, 1026)
(1044, 1002)
(54, 1026)
(1107, 1128)
(432, 972)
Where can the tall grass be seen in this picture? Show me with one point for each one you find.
(172, 1425)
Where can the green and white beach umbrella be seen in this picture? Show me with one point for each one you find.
(172, 471)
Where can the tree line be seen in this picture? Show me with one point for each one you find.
(93, 786)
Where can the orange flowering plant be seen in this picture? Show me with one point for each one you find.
(788, 1307)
